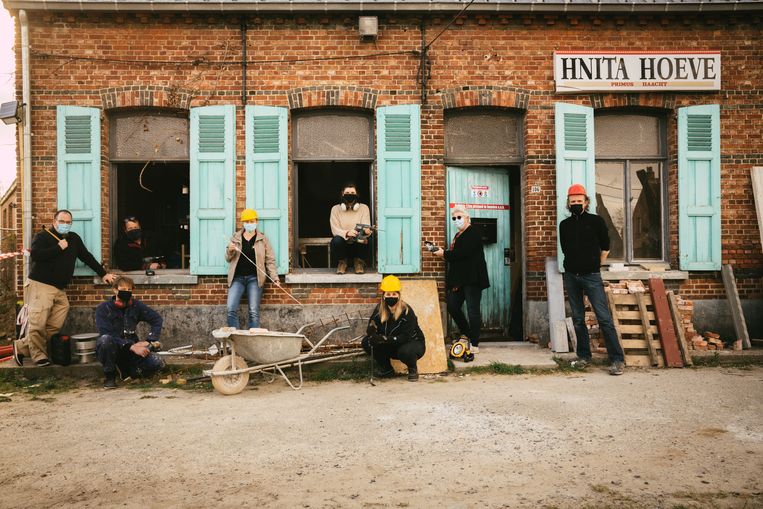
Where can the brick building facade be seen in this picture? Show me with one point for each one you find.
(139, 61)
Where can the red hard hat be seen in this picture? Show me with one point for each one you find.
(576, 189)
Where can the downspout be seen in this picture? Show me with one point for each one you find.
(26, 178)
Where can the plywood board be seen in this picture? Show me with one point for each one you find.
(571, 332)
(665, 324)
(421, 295)
(555, 296)
(685, 353)
(756, 174)
(740, 325)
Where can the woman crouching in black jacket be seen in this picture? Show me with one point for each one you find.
(393, 332)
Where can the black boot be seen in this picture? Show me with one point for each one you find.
(413, 375)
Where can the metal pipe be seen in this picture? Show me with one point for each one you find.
(243, 61)
(26, 178)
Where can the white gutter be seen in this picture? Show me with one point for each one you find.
(26, 158)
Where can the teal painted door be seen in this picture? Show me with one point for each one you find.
(485, 193)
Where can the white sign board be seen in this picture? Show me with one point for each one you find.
(636, 71)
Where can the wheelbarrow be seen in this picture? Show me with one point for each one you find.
(271, 351)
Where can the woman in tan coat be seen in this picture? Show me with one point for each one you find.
(252, 262)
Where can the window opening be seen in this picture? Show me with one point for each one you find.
(318, 190)
(630, 185)
(159, 199)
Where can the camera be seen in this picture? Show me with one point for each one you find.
(430, 247)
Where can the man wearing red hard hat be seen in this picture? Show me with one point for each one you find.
(585, 244)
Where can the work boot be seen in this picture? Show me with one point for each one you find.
(110, 382)
(360, 266)
(341, 267)
(580, 363)
(17, 356)
(413, 375)
(616, 368)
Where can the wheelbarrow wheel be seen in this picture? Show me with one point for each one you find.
(230, 384)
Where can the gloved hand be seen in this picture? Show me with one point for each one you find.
(377, 339)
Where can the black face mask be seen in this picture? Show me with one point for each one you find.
(133, 235)
(576, 209)
(349, 198)
(391, 301)
(124, 295)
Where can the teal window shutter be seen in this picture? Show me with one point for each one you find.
(79, 174)
(399, 188)
(213, 186)
(699, 187)
(575, 159)
(267, 176)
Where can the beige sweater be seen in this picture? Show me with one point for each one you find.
(344, 220)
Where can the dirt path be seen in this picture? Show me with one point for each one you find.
(679, 438)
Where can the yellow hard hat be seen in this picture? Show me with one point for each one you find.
(390, 284)
(248, 215)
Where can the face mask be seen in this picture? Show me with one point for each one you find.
(391, 301)
(133, 234)
(459, 223)
(250, 227)
(63, 228)
(576, 209)
(124, 295)
(349, 198)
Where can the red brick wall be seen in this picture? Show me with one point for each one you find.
(498, 60)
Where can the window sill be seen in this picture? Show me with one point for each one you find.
(162, 277)
(636, 273)
(312, 276)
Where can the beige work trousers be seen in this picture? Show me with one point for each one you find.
(48, 307)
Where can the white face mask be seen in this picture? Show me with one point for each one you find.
(250, 227)
(459, 223)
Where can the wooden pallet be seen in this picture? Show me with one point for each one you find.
(636, 328)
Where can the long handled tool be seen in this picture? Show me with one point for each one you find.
(277, 283)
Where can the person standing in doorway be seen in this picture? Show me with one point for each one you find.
(585, 244)
(53, 254)
(252, 262)
(465, 277)
(350, 245)
(131, 250)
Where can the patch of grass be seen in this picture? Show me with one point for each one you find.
(710, 361)
(498, 368)
(13, 381)
(355, 370)
(566, 366)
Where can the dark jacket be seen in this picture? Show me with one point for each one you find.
(121, 322)
(52, 266)
(400, 331)
(583, 238)
(128, 255)
(466, 264)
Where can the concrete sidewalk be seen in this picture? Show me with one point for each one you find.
(517, 353)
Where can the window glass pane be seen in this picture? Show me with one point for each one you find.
(646, 210)
(610, 204)
(627, 136)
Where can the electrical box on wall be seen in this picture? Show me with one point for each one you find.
(488, 228)
(368, 27)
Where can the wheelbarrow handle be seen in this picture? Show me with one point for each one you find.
(329, 333)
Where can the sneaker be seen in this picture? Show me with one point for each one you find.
(359, 266)
(474, 349)
(580, 363)
(616, 368)
(110, 382)
(18, 357)
(341, 267)
(42, 363)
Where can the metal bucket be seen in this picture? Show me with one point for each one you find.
(85, 346)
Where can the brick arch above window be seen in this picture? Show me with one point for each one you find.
(660, 100)
(503, 97)
(347, 96)
(146, 96)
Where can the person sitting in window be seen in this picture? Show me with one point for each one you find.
(349, 244)
(132, 251)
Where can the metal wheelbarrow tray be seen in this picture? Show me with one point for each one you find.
(271, 351)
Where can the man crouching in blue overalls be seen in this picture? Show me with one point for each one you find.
(119, 349)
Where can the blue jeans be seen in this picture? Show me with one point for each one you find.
(455, 300)
(591, 284)
(112, 352)
(254, 295)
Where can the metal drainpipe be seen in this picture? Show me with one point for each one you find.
(26, 179)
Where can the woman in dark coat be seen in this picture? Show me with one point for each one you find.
(393, 332)
(465, 277)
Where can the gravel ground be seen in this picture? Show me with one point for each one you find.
(657, 438)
